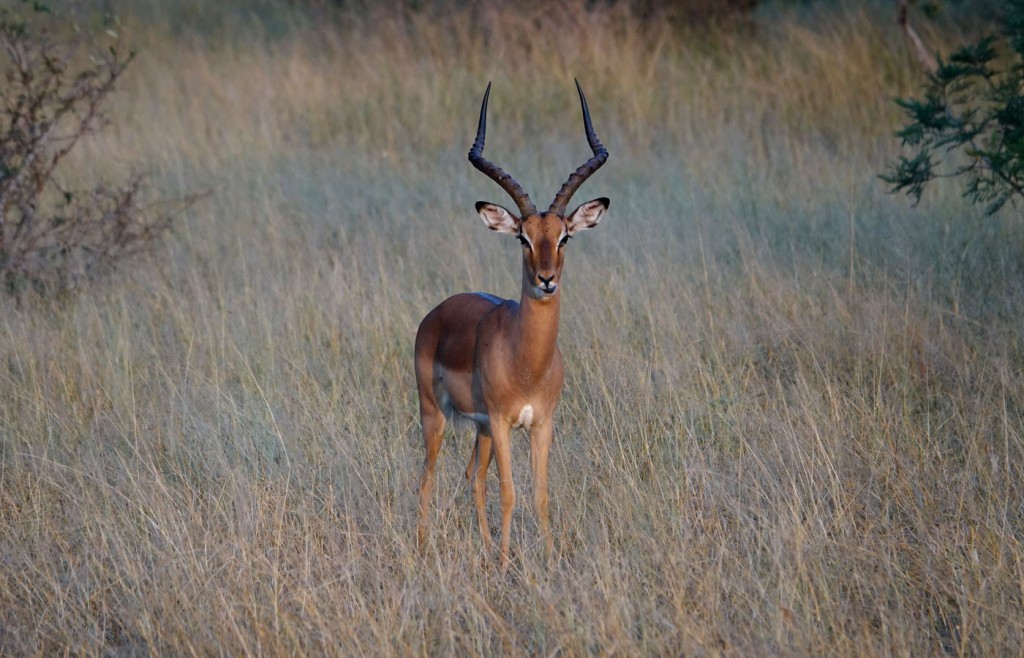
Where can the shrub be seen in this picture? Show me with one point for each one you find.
(54, 83)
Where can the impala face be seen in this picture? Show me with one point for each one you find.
(543, 237)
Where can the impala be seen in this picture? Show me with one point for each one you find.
(496, 361)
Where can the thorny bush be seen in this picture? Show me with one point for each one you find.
(54, 82)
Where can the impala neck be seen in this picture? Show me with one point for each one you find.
(538, 331)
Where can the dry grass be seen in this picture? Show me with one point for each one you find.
(793, 411)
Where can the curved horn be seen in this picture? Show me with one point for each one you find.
(493, 171)
(583, 173)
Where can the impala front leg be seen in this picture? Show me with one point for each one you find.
(541, 434)
(503, 453)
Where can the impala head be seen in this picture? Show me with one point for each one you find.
(542, 235)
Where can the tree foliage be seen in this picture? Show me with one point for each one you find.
(972, 105)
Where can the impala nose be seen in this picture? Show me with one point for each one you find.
(546, 283)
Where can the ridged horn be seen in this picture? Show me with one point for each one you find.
(588, 168)
(493, 171)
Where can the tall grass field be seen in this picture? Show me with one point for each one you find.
(793, 418)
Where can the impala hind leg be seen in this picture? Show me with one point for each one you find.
(540, 445)
(476, 473)
(433, 423)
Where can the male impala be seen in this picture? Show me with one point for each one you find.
(496, 361)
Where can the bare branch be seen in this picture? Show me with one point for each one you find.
(926, 59)
(51, 238)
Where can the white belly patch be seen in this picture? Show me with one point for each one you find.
(525, 417)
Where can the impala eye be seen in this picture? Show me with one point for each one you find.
(523, 241)
(565, 239)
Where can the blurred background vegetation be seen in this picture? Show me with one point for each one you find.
(793, 409)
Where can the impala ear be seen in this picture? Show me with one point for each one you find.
(587, 215)
(497, 218)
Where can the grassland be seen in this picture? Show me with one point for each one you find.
(792, 421)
